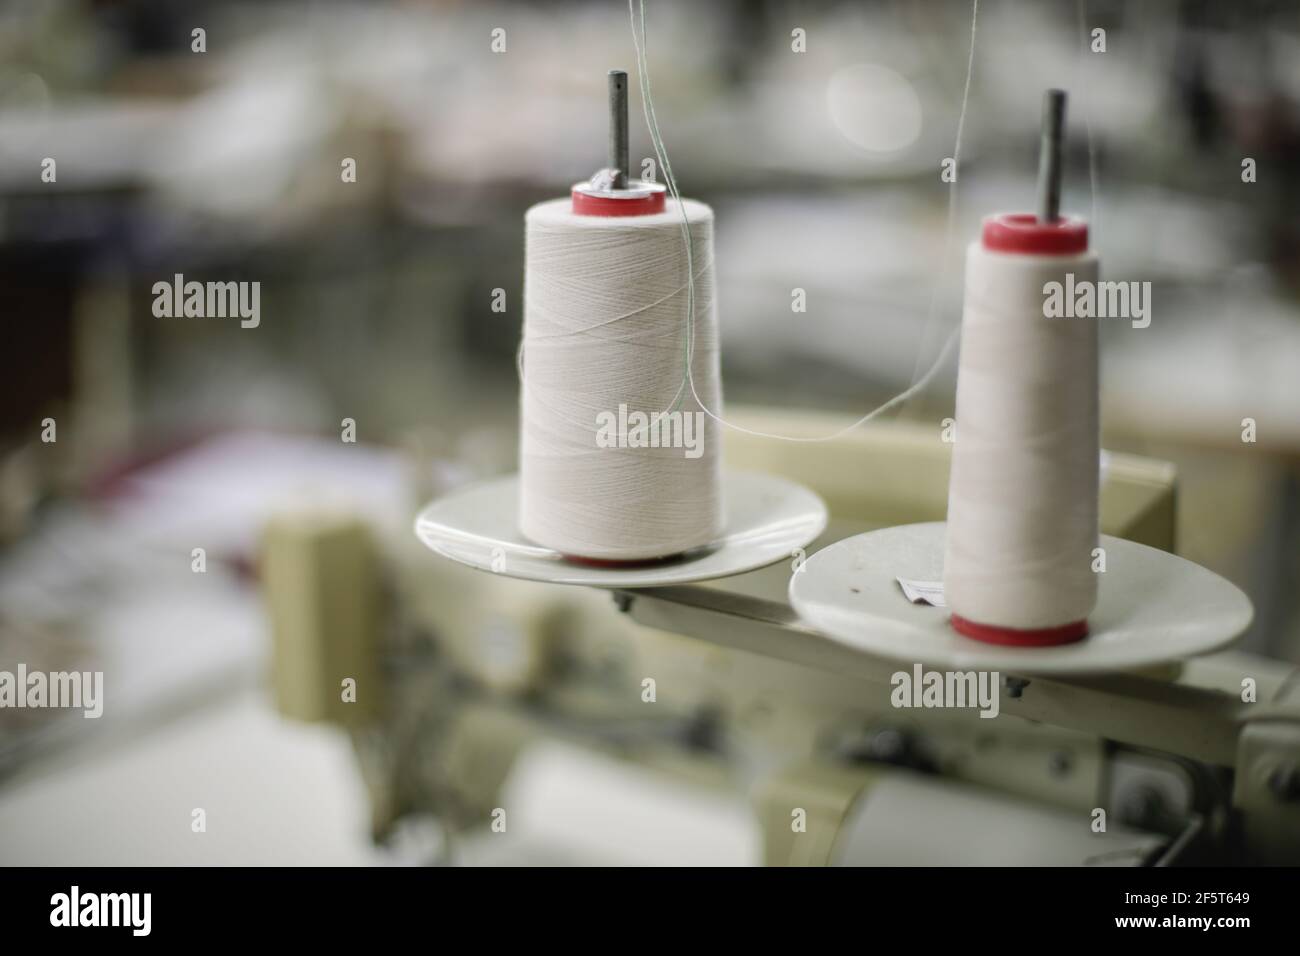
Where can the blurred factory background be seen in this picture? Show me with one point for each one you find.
(377, 306)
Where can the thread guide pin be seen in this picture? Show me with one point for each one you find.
(618, 151)
(1049, 156)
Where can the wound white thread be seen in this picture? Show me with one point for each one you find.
(1022, 502)
(640, 44)
(603, 305)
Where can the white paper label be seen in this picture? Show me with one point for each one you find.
(923, 592)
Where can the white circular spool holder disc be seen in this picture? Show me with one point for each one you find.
(767, 519)
(1152, 607)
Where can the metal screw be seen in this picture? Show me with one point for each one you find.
(1015, 686)
(888, 745)
(1284, 782)
(1059, 763)
(1142, 806)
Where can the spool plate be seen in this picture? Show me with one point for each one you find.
(1152, 607)
(767, 519)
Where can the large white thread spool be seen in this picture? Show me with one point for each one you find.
(606, 332)
(1022, 503)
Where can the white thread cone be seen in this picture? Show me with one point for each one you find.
(1022, 504)
(605, 318)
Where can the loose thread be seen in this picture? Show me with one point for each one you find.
(640, 44)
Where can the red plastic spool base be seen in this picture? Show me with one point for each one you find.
(1024, 233)
(635, 204)
(1015, 637)
(626, 563)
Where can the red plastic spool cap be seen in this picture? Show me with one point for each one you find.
(1024, 233)
(1015, 637)
(642, 199)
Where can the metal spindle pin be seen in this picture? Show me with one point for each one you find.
(1049, 156)
(618, 153)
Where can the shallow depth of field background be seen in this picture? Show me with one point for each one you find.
(823, 169)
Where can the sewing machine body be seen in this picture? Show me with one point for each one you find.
(721, 687)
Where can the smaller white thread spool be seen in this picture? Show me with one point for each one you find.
(605, 329)
(1022, 503)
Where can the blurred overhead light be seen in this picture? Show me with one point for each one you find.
(874, 107)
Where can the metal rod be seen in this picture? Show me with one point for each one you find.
(618, 155)
(1049, 156)
(1188, 716)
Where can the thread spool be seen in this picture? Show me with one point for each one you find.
(605, 318)
(1022, 505)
